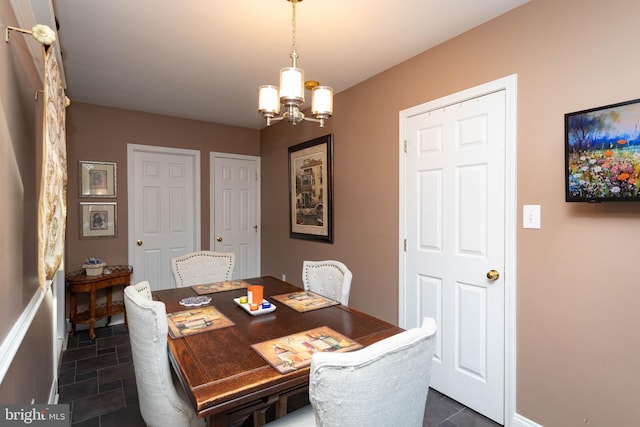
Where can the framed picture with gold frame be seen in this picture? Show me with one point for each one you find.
(98, 220)
(97, 179)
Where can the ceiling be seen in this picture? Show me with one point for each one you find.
(204, 59)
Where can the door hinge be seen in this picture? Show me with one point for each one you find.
(405, 146)
(405, 245)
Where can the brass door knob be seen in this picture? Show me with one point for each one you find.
(139, 242)
(493, 275)
(219, 239)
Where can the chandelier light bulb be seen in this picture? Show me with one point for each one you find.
(268, 100)
(322, 101)
(292, 86)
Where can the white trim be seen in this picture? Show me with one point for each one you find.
(511, 225)
(59, 332)
(509, 85)
(13, 340)
(520, 421)
(131, 149)
(212, 156)
(53, 392)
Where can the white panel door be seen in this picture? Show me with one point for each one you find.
(164, 210)
(235, 211)
(454, 214)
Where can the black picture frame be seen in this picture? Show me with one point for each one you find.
(602, 153)
(311, 190)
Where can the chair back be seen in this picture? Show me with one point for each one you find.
(202, 267)
(159, 400)
(329, 278)
(384, 384)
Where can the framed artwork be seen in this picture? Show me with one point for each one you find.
(97, 179)
(602, 154)
(311, 190)
(97, 220)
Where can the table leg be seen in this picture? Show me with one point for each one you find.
(218, 420)
(92, 314)
(259, 418)
(109, 304)
(73, 312)
(281, 407)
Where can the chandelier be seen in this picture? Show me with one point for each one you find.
(291, 91)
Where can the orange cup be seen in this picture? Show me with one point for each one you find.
(255, 294)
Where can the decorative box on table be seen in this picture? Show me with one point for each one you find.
(93, 269)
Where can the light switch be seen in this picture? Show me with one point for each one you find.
(531, 216)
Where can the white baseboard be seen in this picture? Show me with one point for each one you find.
(520, 421)
(53, 393)
(116, 319)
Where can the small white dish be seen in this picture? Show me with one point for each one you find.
(195, 301)
(257, 312)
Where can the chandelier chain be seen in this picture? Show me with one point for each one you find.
(294, 52)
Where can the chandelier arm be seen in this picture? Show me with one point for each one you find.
(311, 119)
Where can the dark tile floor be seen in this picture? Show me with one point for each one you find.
(97, 379)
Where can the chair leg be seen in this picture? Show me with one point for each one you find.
(281, 407)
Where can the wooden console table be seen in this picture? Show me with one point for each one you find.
(79, 282)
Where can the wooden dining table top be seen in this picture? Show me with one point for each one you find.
(224, 374)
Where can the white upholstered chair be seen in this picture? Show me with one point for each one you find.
(384, 384)
(202, 267)
(331, 279)
(160, 399)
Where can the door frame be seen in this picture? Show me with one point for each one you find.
(212, 157)
(509, 85)
(195, 154)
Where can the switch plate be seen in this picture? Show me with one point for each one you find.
(531, 216)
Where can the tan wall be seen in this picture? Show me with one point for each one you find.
(578, 328)
(102, 134)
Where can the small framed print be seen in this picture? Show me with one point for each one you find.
(97, 220)
(97, 179)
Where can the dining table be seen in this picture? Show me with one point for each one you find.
(224, 377)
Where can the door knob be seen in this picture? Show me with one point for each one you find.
(219, 239)
(139, 242)
(493, 275)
